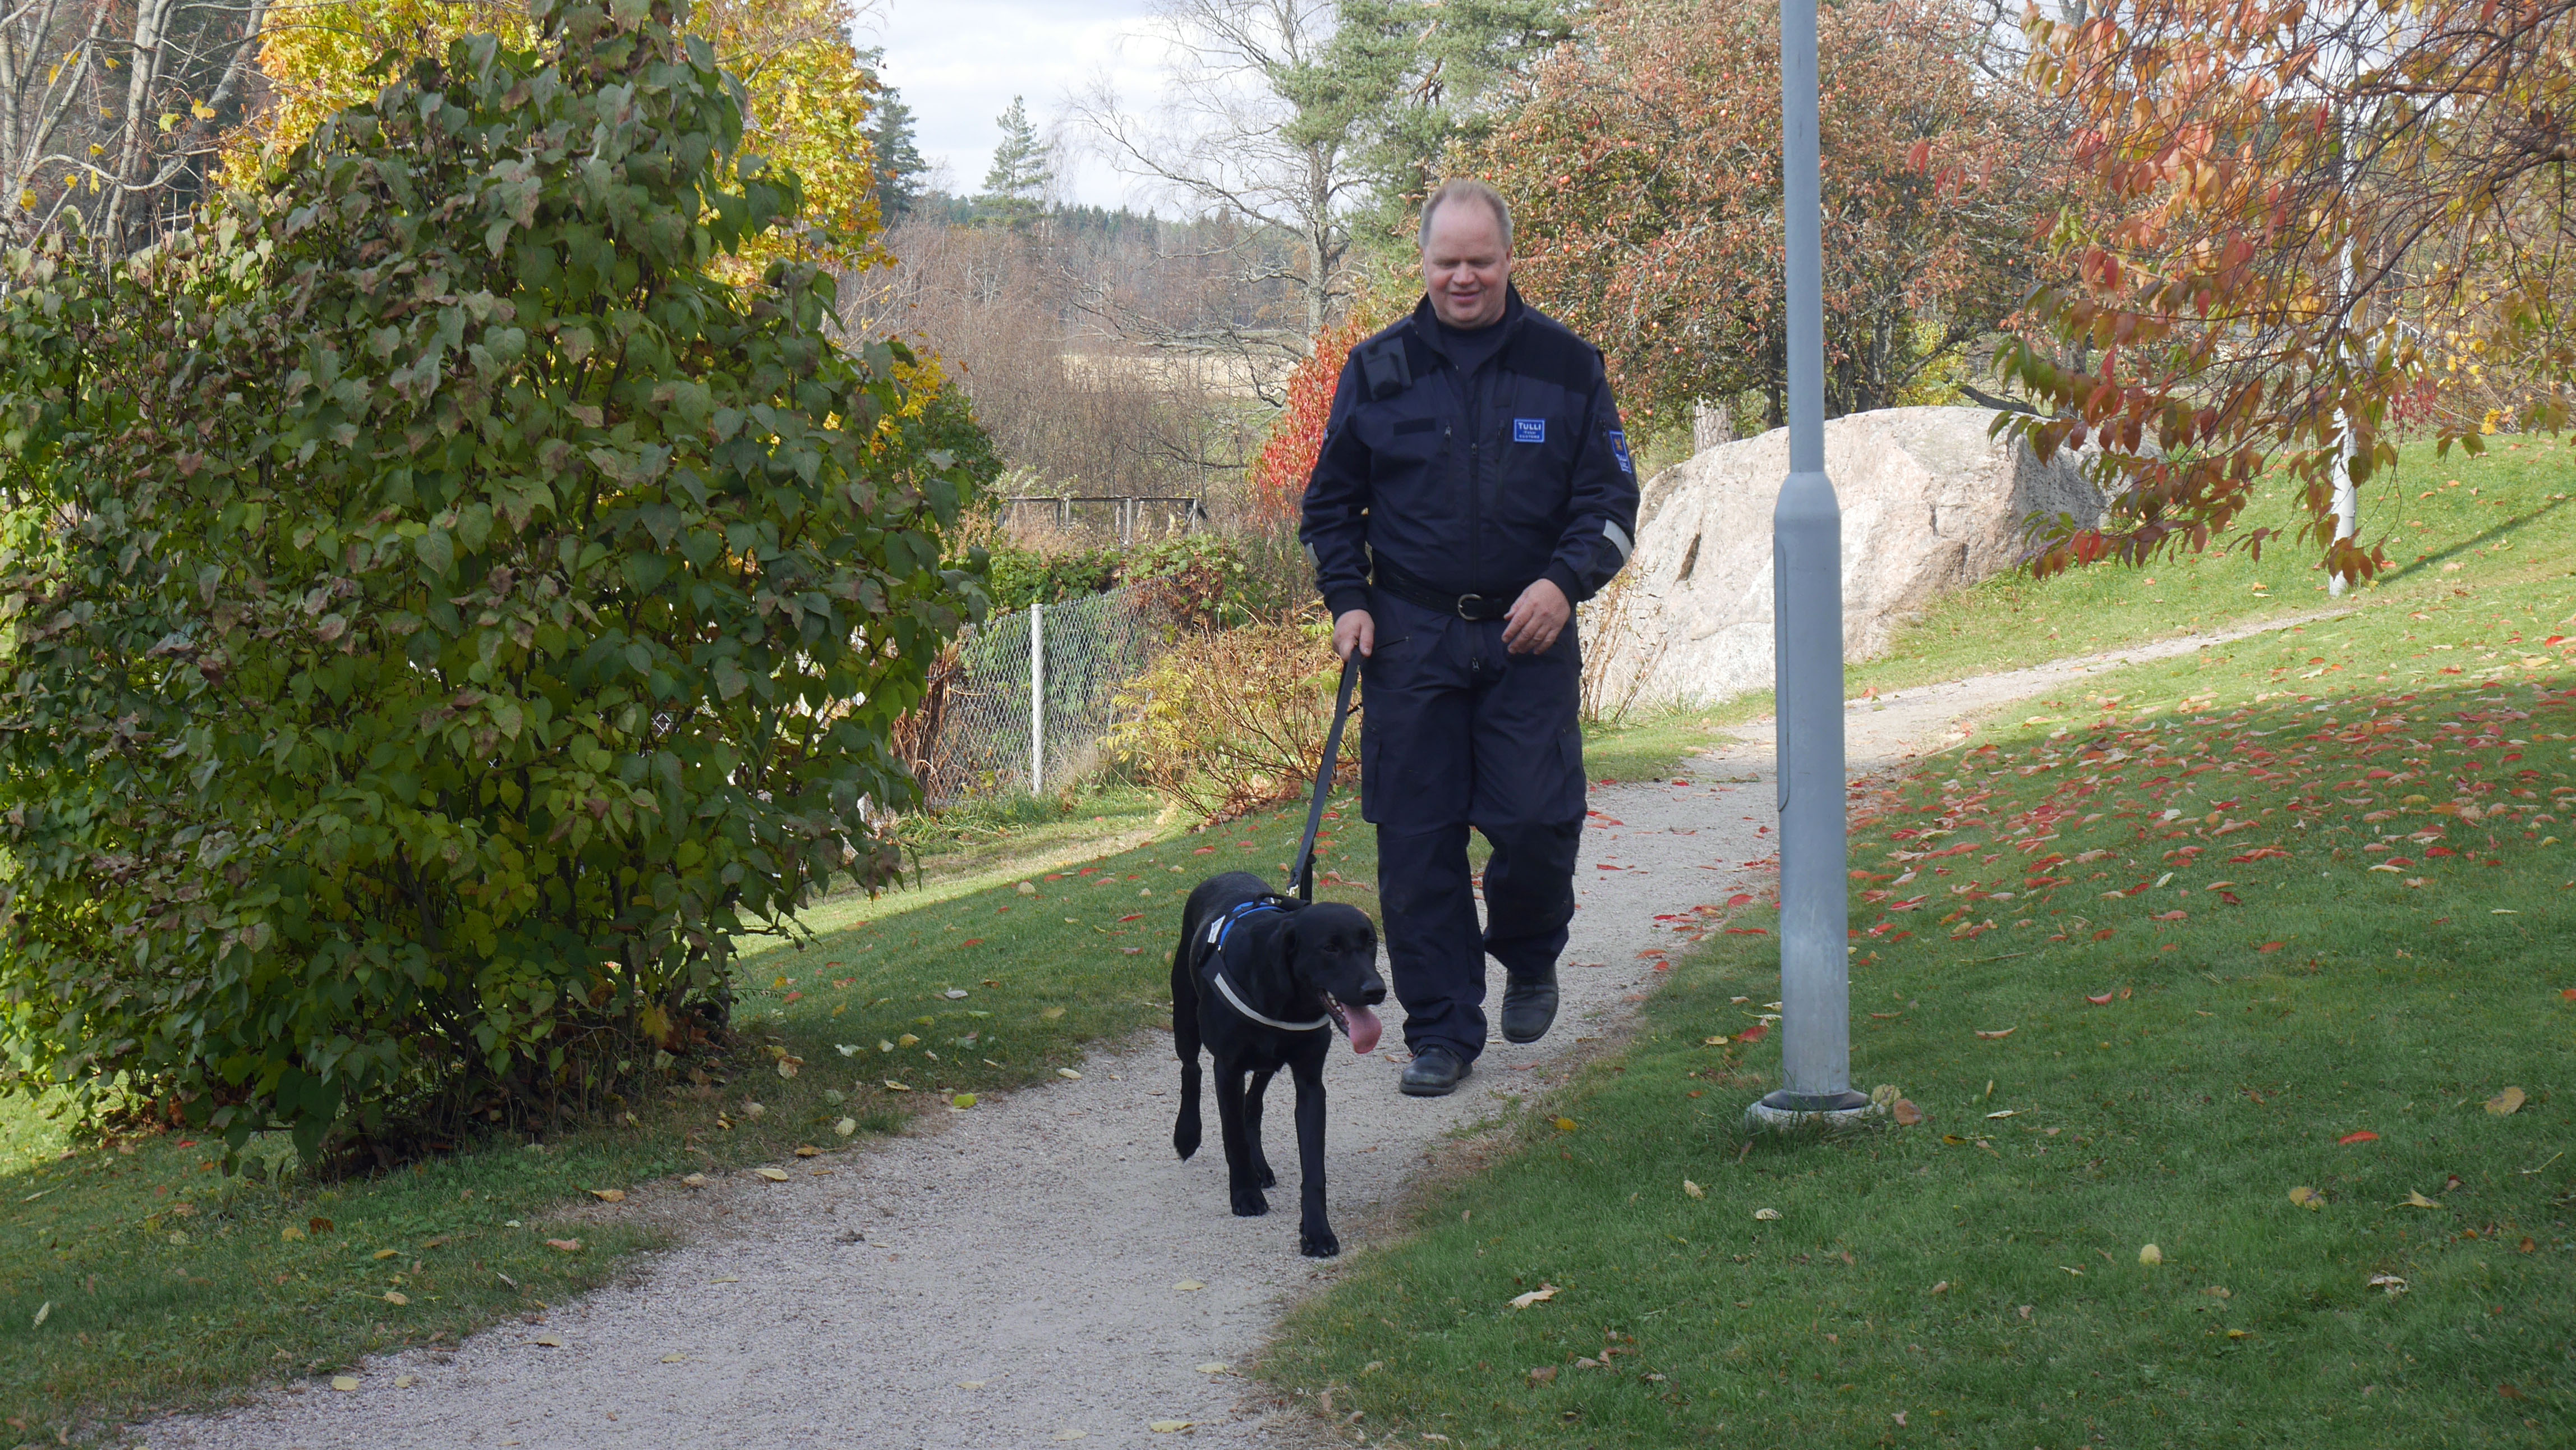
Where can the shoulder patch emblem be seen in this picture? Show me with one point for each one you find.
(1619, 449)
(1529, 430)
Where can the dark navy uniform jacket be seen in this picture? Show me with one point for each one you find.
(1476, 484)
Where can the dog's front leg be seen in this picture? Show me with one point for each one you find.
(1243, 1185)
(1261, 1173)
(1185, 1129)
(1314, 1235)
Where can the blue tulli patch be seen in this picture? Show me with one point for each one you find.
(1619, 449)
(1529, 430)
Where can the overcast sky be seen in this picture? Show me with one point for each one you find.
(959, 62)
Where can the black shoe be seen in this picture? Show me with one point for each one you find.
(1435, 1072)
(1529, 1007)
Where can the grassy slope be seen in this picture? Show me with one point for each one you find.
(2299, 997)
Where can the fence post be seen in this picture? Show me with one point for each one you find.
(1037, 697)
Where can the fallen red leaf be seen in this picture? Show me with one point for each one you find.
(2271, 946)
(1133, 916)
(2102, 1001)
(972, 941)
(1201, 851)
(2364, 1136)
(1754, 1033)
(1740, 899)
(2103, 935)
(1746, 931)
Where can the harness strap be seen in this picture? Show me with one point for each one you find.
(1225, 989)
(1218, 931)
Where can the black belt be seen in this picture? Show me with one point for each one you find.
(1475, 608)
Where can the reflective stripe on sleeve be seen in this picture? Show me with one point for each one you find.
(1618, 539)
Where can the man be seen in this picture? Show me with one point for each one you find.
(1474, 486)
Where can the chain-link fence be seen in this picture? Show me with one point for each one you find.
(995, 720)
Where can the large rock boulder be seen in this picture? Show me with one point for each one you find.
(1930, 503)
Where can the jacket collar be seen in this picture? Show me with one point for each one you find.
(1428, 327)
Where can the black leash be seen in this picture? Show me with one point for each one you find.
(1302, 877)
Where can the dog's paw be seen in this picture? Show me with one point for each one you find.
(1185, 1140)
(1250, 1204)
(1268, 1178)
(1318, 1244)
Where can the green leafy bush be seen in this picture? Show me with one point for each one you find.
(439, 615)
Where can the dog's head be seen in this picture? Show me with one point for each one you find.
(1330, 951)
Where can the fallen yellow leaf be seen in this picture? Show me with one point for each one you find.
(1068, 1074)
(1539, 1295)
(962, 1100)
(1186, 1285)
(846, 1126)
(807, 1150)
(381, 1255)
(895, 1087)
(2417, 1200)
(774, 1175)
(1051, 1014)
(1566, 1125)
(675, 1359)
(1166, 1427)
(2505, 1103)
(1693, 1189)
(2307, 1198)
(907, 1040)
(395, 1298)
(1767, 1215)
(695, 1180)
(2151, 1255)
(344, 1383)
(1215, 1368)
(405, 1381)
(550, 1341)
(1718, 1041)
(609, 1195)
(2239, 1333)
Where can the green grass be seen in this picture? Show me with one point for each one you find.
(2299, 997)
(2507, 516)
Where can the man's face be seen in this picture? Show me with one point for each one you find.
(1465, 264)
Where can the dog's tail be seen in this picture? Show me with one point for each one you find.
(1185, 1043)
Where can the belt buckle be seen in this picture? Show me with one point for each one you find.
(1464, 600)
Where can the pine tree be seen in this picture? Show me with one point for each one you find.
(1015, 189)
(899, 163)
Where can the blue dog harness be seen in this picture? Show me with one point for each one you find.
(1218, 931)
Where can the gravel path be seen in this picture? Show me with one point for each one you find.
(1041, 1271)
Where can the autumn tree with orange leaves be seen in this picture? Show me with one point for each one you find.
(2304, 230)
(1643, 167)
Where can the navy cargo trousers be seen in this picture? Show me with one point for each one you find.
(1457, 732)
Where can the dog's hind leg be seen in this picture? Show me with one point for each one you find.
(1314, 1234)
(1243, 1184)
(1185, 1046)
(1261, 1173)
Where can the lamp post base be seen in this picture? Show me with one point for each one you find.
(1785, 1111)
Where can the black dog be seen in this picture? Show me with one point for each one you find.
(1261, 980)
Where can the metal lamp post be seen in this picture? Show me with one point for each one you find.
(1807, 608)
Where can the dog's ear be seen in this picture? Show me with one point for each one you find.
(1283, 950)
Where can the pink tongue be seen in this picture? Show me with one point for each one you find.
(1364, 1028)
